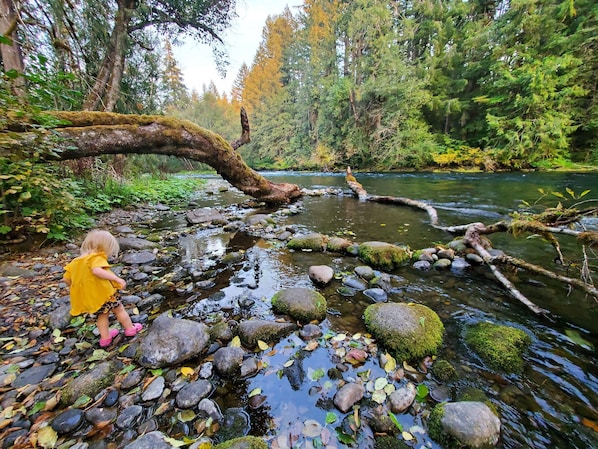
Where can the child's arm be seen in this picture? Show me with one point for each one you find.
(109, 276)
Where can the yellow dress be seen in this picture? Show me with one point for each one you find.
(88, 292)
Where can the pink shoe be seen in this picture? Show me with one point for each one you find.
(132, 331)
(105, 342)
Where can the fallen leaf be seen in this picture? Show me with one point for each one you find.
(288, 363)
(47, 437)
(255, 392)
(187, 371)
(262, 345)
(312, 345)
(173, 442)
(407, 436)
(235, 342)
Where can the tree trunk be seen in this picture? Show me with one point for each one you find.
(12, 58)
(106, 89)
(100, 133)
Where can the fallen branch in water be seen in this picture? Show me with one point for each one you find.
(473, 231)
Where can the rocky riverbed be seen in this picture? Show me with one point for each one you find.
(209, 365)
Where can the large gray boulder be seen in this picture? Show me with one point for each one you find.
(170, 341)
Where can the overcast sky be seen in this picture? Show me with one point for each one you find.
(242, 40)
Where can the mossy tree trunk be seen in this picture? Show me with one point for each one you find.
(87, 133)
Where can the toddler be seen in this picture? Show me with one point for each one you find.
(93, 287)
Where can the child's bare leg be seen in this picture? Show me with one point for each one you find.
(103, 326)
(123, 317)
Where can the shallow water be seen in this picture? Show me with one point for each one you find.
(552, 404)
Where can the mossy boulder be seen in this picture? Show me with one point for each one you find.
(89, 383)
(247, 442)
(301, 304)
(337, 245)
(464, 425)
(383, 255)
(500, 347)
(313, 242)
(408, 331)
(444, 371)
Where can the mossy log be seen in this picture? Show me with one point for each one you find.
(85, 133)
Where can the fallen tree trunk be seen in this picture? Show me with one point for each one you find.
(473, 231)
(85, 133)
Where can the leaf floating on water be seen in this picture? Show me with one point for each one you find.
(315, 375)
(379, 396)
(312, 345)
(235, 342)
(356, 356)
(311, 428)
(339, 337)
(396, 422)
(288, 363)
(331, 418)
(390, 365)
(407, 436)
(255, 392)
(380, 383)
(262, 345)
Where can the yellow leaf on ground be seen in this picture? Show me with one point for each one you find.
(47, 437)
(187, 371)
(262, 345)
(235, 342)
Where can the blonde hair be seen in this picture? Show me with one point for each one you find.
(100, 241)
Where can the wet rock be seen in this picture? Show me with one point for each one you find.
(247, 442)
(320, 274)
(129, 417)
(90, 383)
(446, 253)
(97, 415)
(235, 423)
(15, 271)
(170, 341)
(152, 440)
(310, 332)
(250, 331)
(410, 331)
(49, 357)
(68, 421)
(422, 265)
(139, 258)
(206, 370)
(154, 389)
(337, 245)
(204, 215)
(228, 360)
(221, 331)
(383, 255)
(209, 409)
(348, 395)
(460, 264)
(365, 272)
(470, 424)
(354, 283)
(402, 398)
(442, 264)
(302, 304)
(258, 219)
(313, 242)
(376, 294)
(135, 243)
(249, 367)
(474, 259)
(190, 395)
(12, 437)
(34, 375)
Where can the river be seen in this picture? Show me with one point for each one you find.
(552, 404)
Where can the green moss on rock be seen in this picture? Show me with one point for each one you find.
(444, 371)
(248, 442)
(409, 331)
(500, 347)
(389, 442)
(383, 255)
(313, 242)
(301, 304)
